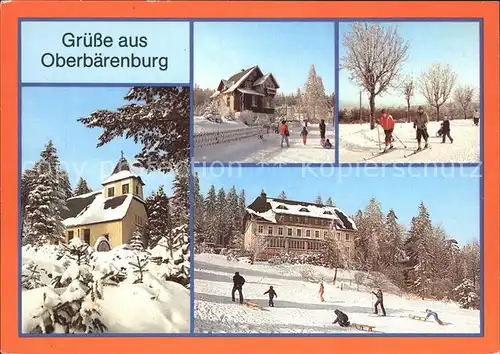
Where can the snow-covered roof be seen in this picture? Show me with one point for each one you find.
(96, 209)
(122, 171)
(215, 94)
(261, 80)
(250, 92)
(267, 208)
(237, 84)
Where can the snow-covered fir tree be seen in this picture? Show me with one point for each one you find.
(329, 202)
(210, 217)
(199, 221)
(319, 201)
(391, 241)
(159, 222)
(282, 195)
(65, 184)
(158, 117)
(233, 215)
(180, 201)
(314, 98)
(81, 187)
(136, 242)
(370, 228)
(466, 295)
(221, 218)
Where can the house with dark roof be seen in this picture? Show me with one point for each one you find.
(108, 217)
(248, 90)
(296, 227)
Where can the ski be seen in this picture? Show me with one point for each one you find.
(377, 154)
(416, 152)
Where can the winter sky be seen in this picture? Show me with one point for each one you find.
(443, 190)
(52, 113)
(287, 49)
(453, 43)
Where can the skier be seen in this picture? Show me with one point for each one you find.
(304, 135)
(238, 282)
(322, 131)
(476, 117)
(434, 314)
(445, 130)
(387, 123)
(321, 292)
(341, 319)
(328, 144)
(284, 132)
(380, 301)
(420, 123)
(272, 294)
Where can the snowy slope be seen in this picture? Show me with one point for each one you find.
(269, 149)
(357, 141)
(202, 125)
(298, 309)
(154, 306)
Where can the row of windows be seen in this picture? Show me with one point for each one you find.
(306, 220)
(125, 190)
(139, 220)
(297, 232)
(86, 235)
(304, 210)
(298, 245)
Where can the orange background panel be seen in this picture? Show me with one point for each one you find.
(9, 251)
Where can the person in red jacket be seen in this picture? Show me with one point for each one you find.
(387, 123)
(304, 135)
(284, 133)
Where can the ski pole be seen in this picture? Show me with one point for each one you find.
(399, 140)
(379, 143)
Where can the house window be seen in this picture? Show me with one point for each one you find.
(304, 210)
(228, 101)
(280, 231)
(308, 233)
(106, 236)
(328, 212)
(70, 234)
(261, 229)
(254, 101)
(325, 234)
(270, 230)
(125, 189)
(111, 191)
(347, 237)
(282, 207)
(338, 235)
(299, 232)
(316, 234)
(267, 102)
(137, 189)
(297, 219)
(86, 236)
(248, 84)
(289, 231)
(347, 250)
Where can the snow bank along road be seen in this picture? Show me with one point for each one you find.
(298, 309)
(357, 141)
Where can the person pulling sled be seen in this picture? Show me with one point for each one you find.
(272, 294)
(380, 301)
(342, 319)
(387, 123)
(433, 314)
(420, 123)
(445, 130)
(238, 282)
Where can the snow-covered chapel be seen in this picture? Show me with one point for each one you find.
(108, 217)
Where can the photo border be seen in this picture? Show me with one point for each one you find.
(194, 11)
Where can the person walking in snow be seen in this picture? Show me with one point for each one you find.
(238, 282)
(476, 117)
(303, 134)
(387, 123)
(445, 130)
(342, 319)
(433, 314)
(420, 123)
(285, 133)
(321, 292)
(322, 131)
(380, 301)
(272, 294)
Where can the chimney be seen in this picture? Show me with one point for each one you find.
(263, 195)
(242, 70)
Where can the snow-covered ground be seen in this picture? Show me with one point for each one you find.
(268, 149)
(202, 125)
(153, 306)
(357, 142)
(297, 307)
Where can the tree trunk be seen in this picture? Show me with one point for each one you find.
(465, 114)
(372, 110)
(437, 109)
(335, 275)
(408, 111)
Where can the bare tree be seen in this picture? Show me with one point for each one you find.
(407, 89)
(257, 245)
(436, 85)
(464, 96)
(374, 58)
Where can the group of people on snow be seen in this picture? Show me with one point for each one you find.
(285, 133)
(341, 318)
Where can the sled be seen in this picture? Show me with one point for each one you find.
(418, 318)
(363, 327)
(254, 306)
